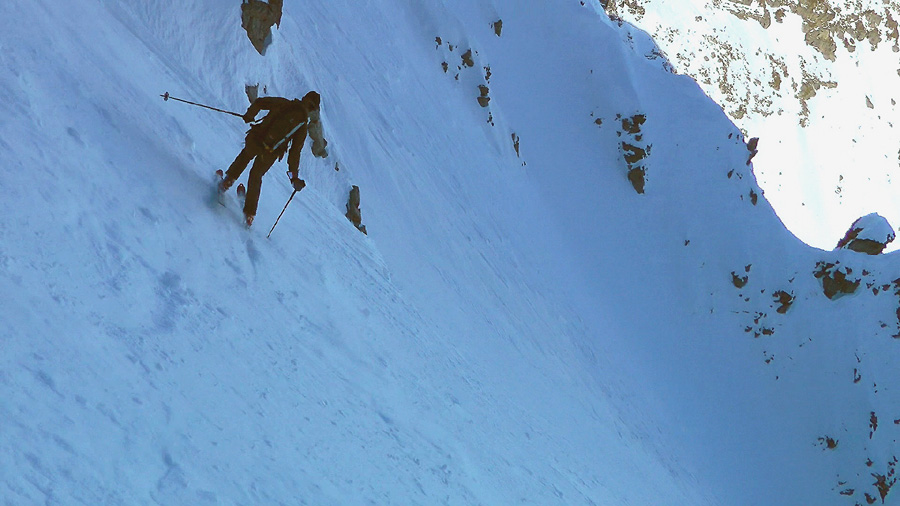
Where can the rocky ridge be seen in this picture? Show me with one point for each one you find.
(815, 79)
(826, 25)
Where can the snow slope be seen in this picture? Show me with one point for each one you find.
(516, 327)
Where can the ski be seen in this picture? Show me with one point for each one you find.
(241, 194)
(219, 193)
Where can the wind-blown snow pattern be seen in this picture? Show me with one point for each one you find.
(519, 326)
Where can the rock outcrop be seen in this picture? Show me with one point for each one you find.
(353, 212)
(257, 18)
(869, 234)
(635, 150)
(836, 281)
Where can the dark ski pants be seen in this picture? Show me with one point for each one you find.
(264, 160)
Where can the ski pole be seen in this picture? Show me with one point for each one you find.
(166, 98)
(282, 212)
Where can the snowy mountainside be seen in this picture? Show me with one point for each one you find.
(520, 325)
(815, 81)
(156, 353)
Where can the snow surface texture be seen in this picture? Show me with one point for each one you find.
(519, 326)
(816, 81)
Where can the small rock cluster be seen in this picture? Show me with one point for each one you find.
(635, 149)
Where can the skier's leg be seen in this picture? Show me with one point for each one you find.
(239, 164)
(254, 182)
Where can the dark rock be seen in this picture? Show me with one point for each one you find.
(751, 147)
(638, 179)
(869, 234)
(635, 150)
(353, 212)
(633, 124)
(257, 18)
(785, 299)
(484, 99)
(467, 60)
(835, 283)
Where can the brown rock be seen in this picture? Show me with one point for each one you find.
(835, 283)
(353, 212)
(257, 18)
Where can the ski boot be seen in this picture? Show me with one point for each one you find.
(224, 181)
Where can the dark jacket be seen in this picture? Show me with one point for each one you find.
(284, 128)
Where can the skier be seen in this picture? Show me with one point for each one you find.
(282, 130)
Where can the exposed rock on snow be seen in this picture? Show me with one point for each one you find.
(353, 212)
(467, 72)
(828, 442)
(483, 98)
(836, 282)
(739, 281)
(257, 17)
(467, 59)
(752, 148)
(252, 92)
(635, 150)
(785, 300)
(869, 234)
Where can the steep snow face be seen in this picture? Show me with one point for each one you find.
(155, 352)
(815, 81)
(520, 325)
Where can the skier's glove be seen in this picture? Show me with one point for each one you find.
(247, 118)
(298, 183)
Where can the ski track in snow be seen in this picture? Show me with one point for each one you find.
(508, 333)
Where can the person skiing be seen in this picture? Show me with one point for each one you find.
(282, 130)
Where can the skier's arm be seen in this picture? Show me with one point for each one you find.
(293, 160)
(264, 103)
